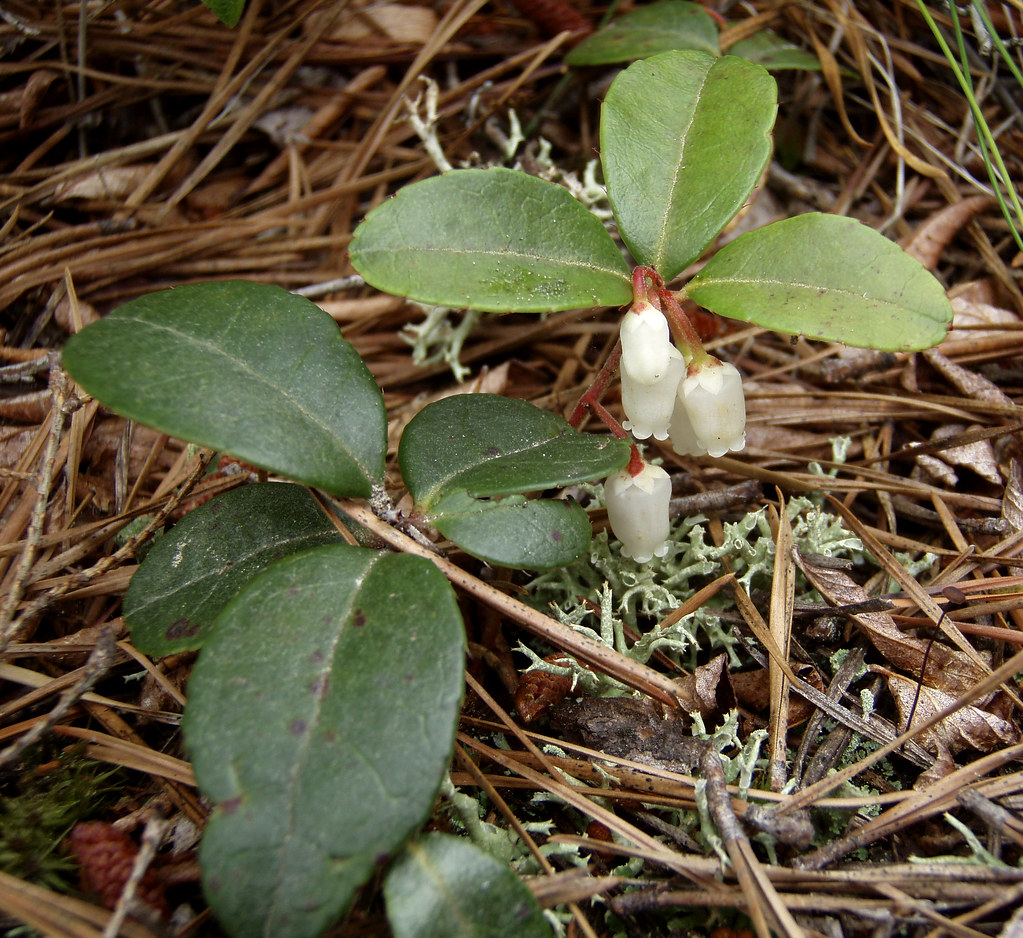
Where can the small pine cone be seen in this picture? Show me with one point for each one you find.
(107, 855)
(538, 691)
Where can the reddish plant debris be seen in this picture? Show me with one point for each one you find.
(725, 932)
(107, 855)
(708, 325)
(597, 831)
(538, 691)
(553, 16)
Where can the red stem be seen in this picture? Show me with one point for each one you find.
(604, 414)
(594, 392)
(636, 463)
(640, 291)
(682, 329)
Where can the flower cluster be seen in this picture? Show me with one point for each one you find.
(693, 400)
(700, 408)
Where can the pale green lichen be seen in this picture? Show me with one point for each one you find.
(647, 592)
(979, 854)
(440, 337)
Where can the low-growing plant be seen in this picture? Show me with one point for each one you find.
(322, 711)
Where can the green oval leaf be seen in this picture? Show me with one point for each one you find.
(191, 573)
(684, 139)
(320, 720)
(645, 31)
(245, 368)
(488, 445)
(532, 535)
(444, 887)
(495, 240)
(774, 53)
(826, 277)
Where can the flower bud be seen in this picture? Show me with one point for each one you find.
(637, 509)
(646, 343)
(648, 407)
(710, 416)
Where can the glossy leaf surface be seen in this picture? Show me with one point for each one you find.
(490, 445)
(684, 139)
(492, 239)
(445, 887)
(826, 277)
(245, 368)
(647, 30)
(537, 534)
(190, 574)
(320, 720)
(458, 453)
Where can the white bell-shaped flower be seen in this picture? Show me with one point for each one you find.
(648, 407)
(646, 343)
(637, 509)
(710, 416)
(681, 432)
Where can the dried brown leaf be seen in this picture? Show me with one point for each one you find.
(35, 88)
(752, 690)
(63, 318)
(978, 455)
(943, 667)
(111, 182)
(967, 382)
(931, 238)
(396, 21)
(710, 687)
(632, 728)
(30, 407)
(1012, 500)
(13, 443)
(968, 314)
(967, 728)
(938, 470)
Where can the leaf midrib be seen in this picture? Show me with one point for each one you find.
(813, 287)
(243, 368)
(517, 255)
(316, 711)
(451, 481)
(662, 238)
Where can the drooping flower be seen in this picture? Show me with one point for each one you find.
(651, 370)
(637, 509)
(710, 415)
(648, 407)
(646, 343)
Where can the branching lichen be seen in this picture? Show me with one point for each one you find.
(440, 337)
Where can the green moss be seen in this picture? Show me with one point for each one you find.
(38, 808)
